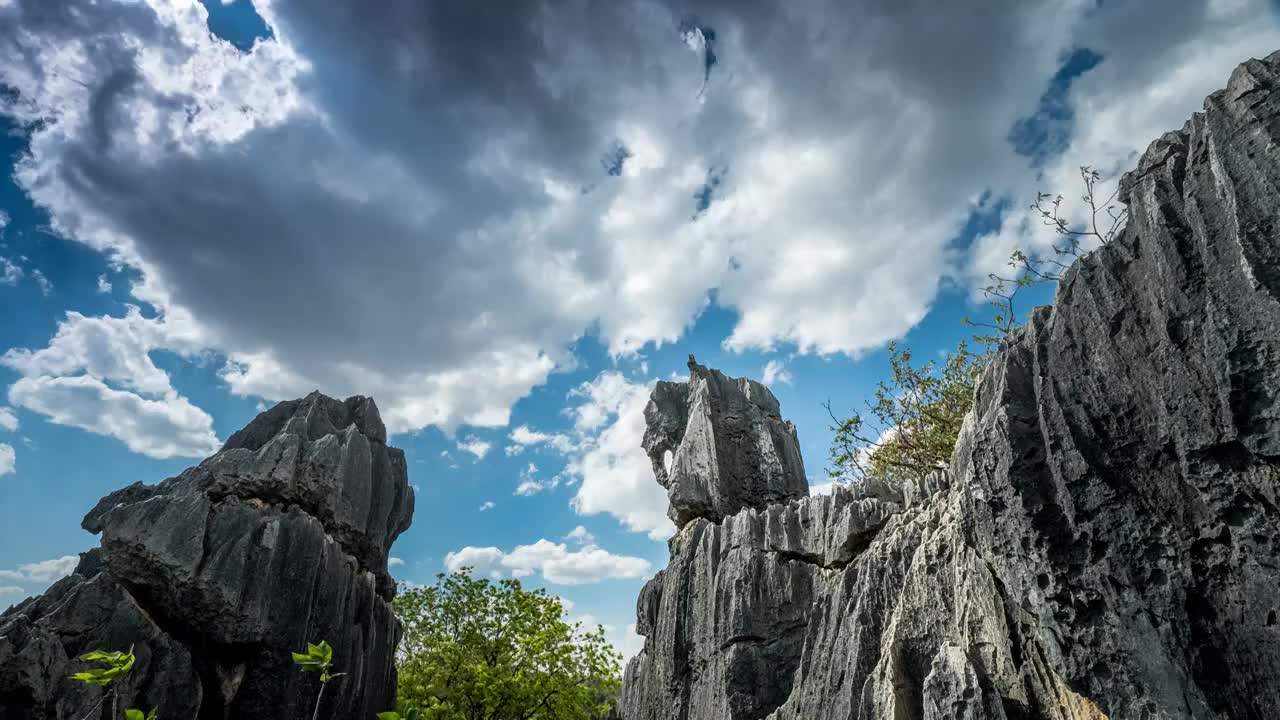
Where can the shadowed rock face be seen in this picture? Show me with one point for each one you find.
(1105, 541)
(215, 575)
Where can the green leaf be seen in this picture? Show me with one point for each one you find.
(389, 715)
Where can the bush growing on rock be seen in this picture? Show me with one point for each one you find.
(476, 649)
(910, 426)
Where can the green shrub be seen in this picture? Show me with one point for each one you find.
(476, 649)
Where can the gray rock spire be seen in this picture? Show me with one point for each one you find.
(718, 445)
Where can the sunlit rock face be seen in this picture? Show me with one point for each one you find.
(1105, 541)
(215, 575)
(719, 445)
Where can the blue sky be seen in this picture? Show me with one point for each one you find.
(512, 246)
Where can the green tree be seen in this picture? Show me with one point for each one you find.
(911, 423)
(480, 650)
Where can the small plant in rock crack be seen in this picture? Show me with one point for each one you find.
(317, 658)
(115, 665)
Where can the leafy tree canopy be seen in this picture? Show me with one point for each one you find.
(480, 650)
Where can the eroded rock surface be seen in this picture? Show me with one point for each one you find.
(718, 445)
(215, 575)
(1106, 541)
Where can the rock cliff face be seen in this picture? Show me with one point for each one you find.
(215, 575)
(1106, 541)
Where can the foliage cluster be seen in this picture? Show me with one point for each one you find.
(474, 649)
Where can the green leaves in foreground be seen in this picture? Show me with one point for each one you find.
(115, 665)
(410, 714)
(132, 714)
(317, 658)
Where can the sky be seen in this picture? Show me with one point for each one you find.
(505, 222)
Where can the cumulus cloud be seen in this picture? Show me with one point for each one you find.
(616, 476)
(523, 436)
(375, 200)
(393, 562)
(10, 272)
(104, 285)
(8, 460)
(555, 562)
(160, 428)
(45, 571)
(775, 371)
(97, 374)
(531, 484)
(474, 445)
(822, 488)
(581, 536)
(486, 505)
(8, 420)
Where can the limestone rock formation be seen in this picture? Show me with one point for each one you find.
(1105, 541)
(719, 445)
(215, 575)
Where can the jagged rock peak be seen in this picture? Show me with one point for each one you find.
(719, 444)
(215, 575)
(319, 414)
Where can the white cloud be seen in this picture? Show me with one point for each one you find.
(628, 643)
(486, 505)
(10, 272)
(474, 445)
(8, 420)
(46, 287)
(616, 476)
(104, 285)
(162, 428)
(852, 132)
(775, 371)
(822, 488)
(45, 571)
(483, 561)
(395, 561)
(581, 536)
(8, 460)
(523, 436)
(554, 561)
(11, 590)
(531, 484)
(97, 374)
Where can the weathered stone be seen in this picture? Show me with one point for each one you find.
(719, 445)
(215, 575)
(1104, 542)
